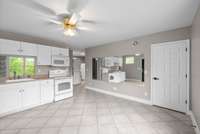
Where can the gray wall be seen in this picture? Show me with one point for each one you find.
(195, 67)
(124, 48)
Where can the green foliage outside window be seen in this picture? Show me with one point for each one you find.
(29, 67)
(130, 60)
(21, 66)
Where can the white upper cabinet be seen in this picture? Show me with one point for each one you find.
(43, 55)
(113, 61)
(59, 51)
(9, 47)
(28, 49)
(78, 53)
(64, 51)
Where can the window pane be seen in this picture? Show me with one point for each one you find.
(15, 66)
(130, 60)
(29, 67)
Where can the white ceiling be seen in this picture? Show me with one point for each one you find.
(117, 19)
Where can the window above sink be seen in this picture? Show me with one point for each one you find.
(20, 67)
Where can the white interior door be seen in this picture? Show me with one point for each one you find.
(170, 75)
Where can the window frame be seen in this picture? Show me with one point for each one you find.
(130, 57)
(24, 65)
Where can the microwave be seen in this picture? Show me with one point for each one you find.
(60, 61)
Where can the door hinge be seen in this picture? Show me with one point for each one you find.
(186, 76)
(186, 101)
(186, 49)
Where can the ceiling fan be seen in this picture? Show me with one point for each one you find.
(70, 20)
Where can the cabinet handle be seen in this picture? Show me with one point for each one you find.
(155, 78)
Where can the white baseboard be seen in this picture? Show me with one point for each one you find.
(21, 109)
(197, 130)
(120, 95)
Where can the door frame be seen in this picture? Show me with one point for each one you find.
(187, 41)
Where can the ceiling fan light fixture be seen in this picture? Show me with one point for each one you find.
(69, 32)
(74, 19)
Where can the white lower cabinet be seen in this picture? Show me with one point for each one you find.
(46, 91)
(30, 94)
(20, 96)
(10, 98)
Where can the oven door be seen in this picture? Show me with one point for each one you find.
(63, 86)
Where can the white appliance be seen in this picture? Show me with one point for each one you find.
(82, 71)
(76, 71)
(60, 61)
(117, 77)
(63, 85)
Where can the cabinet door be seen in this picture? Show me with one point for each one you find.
(43, 55)
(9, 47)
(31, 94)
(28, 49)
(10, 98)
(59, 51)
(55, 51)
(47, 91)
(64, 52)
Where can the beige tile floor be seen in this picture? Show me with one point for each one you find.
(89, 112)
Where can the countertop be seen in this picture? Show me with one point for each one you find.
(6, 83)
(36, 78)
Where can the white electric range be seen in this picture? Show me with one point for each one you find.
(63, 85)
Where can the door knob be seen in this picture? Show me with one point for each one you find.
(155, 78)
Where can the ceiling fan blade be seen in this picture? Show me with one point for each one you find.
(62, 16)
(74, 19)
(70, 33)
(84, 28)
(55, 22)
(76, 5)
(36, 6)
(88, 21)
